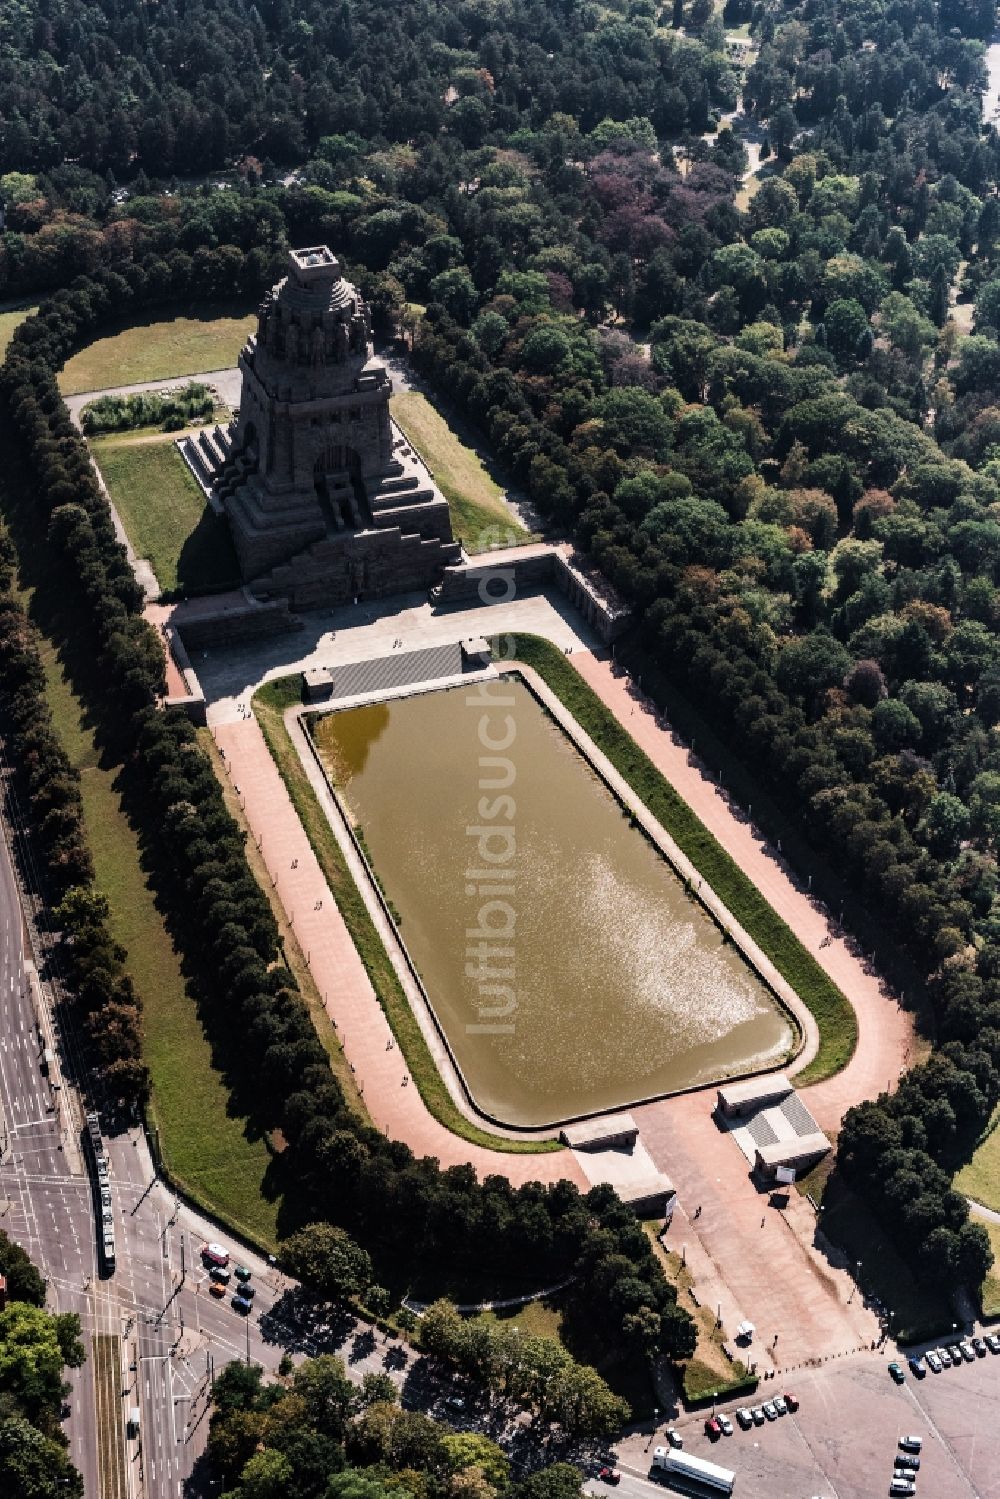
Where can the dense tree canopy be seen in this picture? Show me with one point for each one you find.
(758, 413)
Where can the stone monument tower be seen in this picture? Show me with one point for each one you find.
(325, 499)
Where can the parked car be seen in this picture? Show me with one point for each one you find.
(248, 1291)
(945, 1357)
(610, 1475)
(757, 1412)
(933, 1362)
(220, 1274)
(674, 1437)
(215, 1254)
(968, 1352)
(215, 1289)
(240, 1303)
(792, 1401)
(744, 1417)
(713, 1429)
(911, 1444)
(726, 1424)
(455, 1402)
(916, 1368)
(896, 1370)
(993, 1342)
(907, 1460)
(979, 1347)
(780, 1405)
(243, 1273)
(902, 1486)
(769, 1411)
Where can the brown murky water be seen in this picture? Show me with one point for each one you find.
(566, 964)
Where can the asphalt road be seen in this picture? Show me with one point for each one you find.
(45, 1200)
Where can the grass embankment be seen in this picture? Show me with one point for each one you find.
(980, 1177)
(165, 513)
(270, 703)
(9, 320)
(480, 516)
(833, 1014)
(708, 1374)
(159, 351)
(207, 1150)
(990, 1294)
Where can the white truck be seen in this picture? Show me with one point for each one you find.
(691, 1474)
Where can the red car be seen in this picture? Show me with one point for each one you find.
(610, 1475)
(713, 1429)
(792, 1401)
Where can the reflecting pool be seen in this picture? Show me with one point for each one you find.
(566, 964)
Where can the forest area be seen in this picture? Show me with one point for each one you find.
(772, 418)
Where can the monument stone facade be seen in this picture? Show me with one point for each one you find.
(325, 498)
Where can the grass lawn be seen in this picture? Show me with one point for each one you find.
(158, 351)
(480, 516)
(165, 513)
(535, 1319)
(708, 1374)
(834, 1015)
(980, 1178)
(206, 1149)
(270, 703)
(9, 321)
(919, 1313)
(991, 1285)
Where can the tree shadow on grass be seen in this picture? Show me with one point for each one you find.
(167, 312)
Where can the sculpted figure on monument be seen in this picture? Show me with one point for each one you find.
(318, 346)
(359, 339)
(342, 343)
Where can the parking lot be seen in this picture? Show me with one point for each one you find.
(841, 1442)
